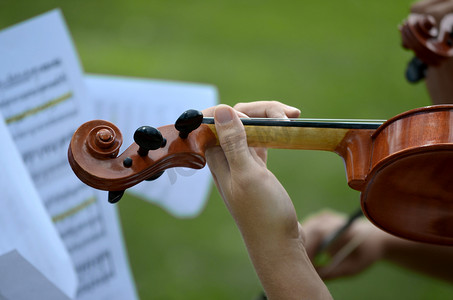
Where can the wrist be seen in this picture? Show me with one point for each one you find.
(285, 270)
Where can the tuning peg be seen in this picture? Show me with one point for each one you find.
(416, 70)
(188, 122)
(115, 196)
(148, 138)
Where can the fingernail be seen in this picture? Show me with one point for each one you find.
(293, 108)
(223, 115)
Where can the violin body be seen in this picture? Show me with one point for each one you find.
(409, 187)
(402, 169)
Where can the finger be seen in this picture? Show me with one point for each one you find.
(268, 109)
(217, 162)
(313, 238)
(232, 138)
(319, 226)
(241, 114)
(345, 268)
(261, 153)
(208, 112)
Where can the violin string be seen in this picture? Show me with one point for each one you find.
(315, 123)
(209, 119)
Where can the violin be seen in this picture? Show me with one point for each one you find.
(402, 166)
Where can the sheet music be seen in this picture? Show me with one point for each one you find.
(16, 286)
(26, 227)
(132, 102)
(41, 89)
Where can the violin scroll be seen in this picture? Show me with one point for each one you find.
(431, 45)
(103, 140)
(433, 49)
(93, 152)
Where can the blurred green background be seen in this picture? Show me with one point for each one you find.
(332, 59)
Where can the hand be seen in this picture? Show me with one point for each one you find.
(366, 240)
(436, 8)
(260, 206)
(254, 197)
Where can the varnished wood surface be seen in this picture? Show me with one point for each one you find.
(409, 190)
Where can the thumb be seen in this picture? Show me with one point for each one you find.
(232, 137)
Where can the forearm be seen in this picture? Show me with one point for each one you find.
(284, 269)
(433, 260)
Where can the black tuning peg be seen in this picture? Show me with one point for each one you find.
(115, 196)
(188, 122)
(148, 138)
(416, 70)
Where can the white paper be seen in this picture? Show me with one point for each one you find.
(14, 285)
(26, 227)
(41, 90)
(132, 102)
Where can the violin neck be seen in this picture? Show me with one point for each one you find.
(302, 138)
(302, 134)
(351, 140)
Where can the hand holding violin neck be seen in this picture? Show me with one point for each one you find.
(404, 164)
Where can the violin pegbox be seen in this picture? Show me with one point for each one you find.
(431, 45)
(94, 152)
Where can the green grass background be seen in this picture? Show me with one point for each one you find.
(332, 59)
